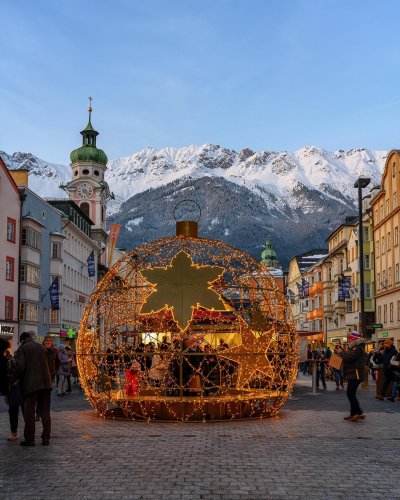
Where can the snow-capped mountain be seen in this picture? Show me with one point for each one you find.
(296, 198)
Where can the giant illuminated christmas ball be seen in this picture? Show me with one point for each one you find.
(186, 328)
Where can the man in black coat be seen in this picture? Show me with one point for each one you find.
(31, 369)
(388, 373)
(354, 371)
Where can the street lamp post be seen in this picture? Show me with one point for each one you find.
(361, 183)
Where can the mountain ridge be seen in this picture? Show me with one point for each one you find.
(295, 191)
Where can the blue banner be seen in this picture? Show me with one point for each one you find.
(54, 294)
(300, 290)
(344, 288)
(91, 265)
(306, 288)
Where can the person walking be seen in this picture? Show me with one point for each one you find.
(338, 373)
(354, 370)
(31, 369)
(13, 400)
(63, 371)
(389, 352)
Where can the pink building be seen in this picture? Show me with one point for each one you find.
(10, 213)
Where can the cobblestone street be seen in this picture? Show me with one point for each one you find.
(307, 451)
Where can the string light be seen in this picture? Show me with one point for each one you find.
(237, 361)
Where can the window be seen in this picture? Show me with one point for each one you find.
(11, 231)
(394, 200)
(385, 313)
(381, 212)
(391, 311)
(383, 244)
(384, 279)
(387, 207)
(389, 242)
(390, 282)
(376, 216)
(377, 248)
(31, 238)
(54, 315)
(396, 236)
(45, 316)
(379, 314)
(10, 268)
(56, 251)
(365, 233)
(28, 311)
(394, 169)
(85, 208)
(378, 278)
(397, 271)
(366, 261)
(367, 290)
(29, 274)
(85, 171)
(96, 172)
(349, 306)
(9, 309)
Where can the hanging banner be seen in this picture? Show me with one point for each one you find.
(54, 295)
(113, 237)
(291, 296)
(344, 288)
(306, 287)
(300, 290)
(91, 265)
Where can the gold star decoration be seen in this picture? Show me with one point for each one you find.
(182, 287)
(251, 356)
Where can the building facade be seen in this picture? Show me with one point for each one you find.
(76, 285)
(386, 219)
(10, 214)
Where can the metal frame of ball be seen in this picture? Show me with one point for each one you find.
(112, 321)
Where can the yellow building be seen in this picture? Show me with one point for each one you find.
(386, 220)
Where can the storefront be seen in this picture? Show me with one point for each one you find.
(9, 331)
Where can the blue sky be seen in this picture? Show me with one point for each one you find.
(239, 73)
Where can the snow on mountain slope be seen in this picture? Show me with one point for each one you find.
(278, 177)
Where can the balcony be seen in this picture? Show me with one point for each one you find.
(316, 314)
(316, 289)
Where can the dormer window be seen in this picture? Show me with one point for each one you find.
(85, 171)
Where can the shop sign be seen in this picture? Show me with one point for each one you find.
(6, 329)
(63, 333)
(384, 334)
(377, 325)
(81, 298)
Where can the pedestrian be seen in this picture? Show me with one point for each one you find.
(69, 354)
(389, 351)
(395, 364)
(338, 374)
(319, 356)
(31, 369)
(13, 400)
(4, 387)
(63, 371)
(354, 370)
(54, 364)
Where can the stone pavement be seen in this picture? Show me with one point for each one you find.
(306, 452)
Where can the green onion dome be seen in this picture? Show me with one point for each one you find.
(88, 152)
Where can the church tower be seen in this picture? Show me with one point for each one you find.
(88, 189)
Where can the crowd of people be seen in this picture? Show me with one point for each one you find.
(384, 360)
(194, 367)
(27, 379)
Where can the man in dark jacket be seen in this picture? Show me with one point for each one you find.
(31, 369)
(354, 371)
(388, 374)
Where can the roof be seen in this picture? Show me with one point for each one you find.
(9, 176)
(310, 258)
